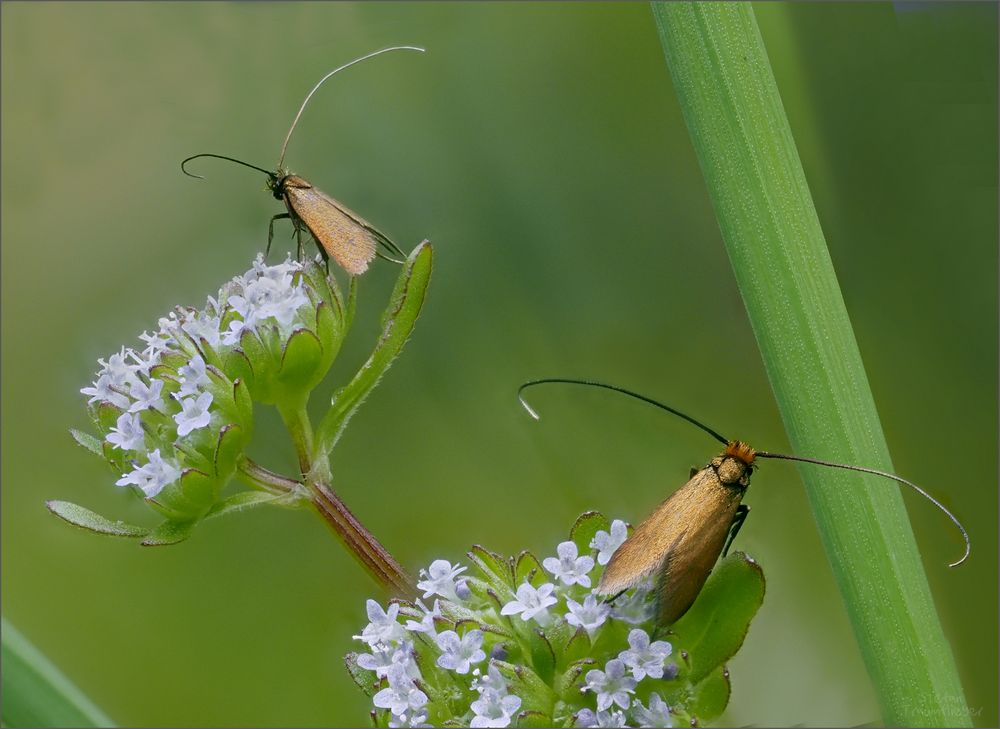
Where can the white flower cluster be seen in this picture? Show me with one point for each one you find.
(462, 629)
(163, 407)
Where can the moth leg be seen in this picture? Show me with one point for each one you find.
(609, 600)
(380, 254)
(738, 518)
(270, 231)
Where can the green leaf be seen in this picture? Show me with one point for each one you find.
(366, 680)
(536, 695)
(715, 626)
(88, 441)
(36, 693)
(711, 696)
(397, 323)
(744, 143)
(245, 500)
(586, 528)
(86, 519)
(169, 532)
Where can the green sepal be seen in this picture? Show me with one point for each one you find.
(169, 532)
(567, 685)
(237, 367)
(577, 648)
(172, 360)
(106, 416)
(543, 658)
(495, 569)
(244, 405)
(714, 628)
(187, 499)
(261, 362)
(534, 719)
(227, 451)
(536, 695)
(88, 441)
(366, 680)
(585, 529)
(529, 569)
(209, 355)
(221, 388)
(299, 370)
(84, 518)
(330, 333)
(397, 323)
(711, 696)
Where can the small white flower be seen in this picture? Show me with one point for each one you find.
(458, 653)
(402, 693)
(384, 656)
(494, 709)
(153, 476)
(606, 543)
(440, 579)
(590, 718)
(569, 568)
(636, 608)
(193, 376)
(127, 434)
(645, 658)
(590, 615)
(426, 623)
(657, 715)
(611, 685)
(415, 718)
(103, 391)
(492, 680)
(532, 603)
(194, 413)
(203, 325)
(382, 626)
(146, 396)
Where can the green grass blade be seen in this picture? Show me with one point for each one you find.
(36, 693)
(752, 170)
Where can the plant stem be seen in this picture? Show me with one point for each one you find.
(360, 542)
(743, 141)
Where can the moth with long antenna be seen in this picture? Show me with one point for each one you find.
(684, 537)
(338, 232)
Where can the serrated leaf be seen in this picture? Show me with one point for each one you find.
(567, 684)
(528, 568)
(577, 648)
(169, 532)
(91, 521)
(237, 367)
(585, 529)
(715, 626)
(88, 441)
(711, 696)
(397, 322)
(366, 680)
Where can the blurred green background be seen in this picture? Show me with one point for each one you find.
(541, 148)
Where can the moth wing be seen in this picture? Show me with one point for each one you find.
(348, 239)
(681, 540)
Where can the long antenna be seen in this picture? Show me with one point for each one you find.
(614, 388)
(281, 158)
(219, 156)
(759, 454)
(883, 474)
